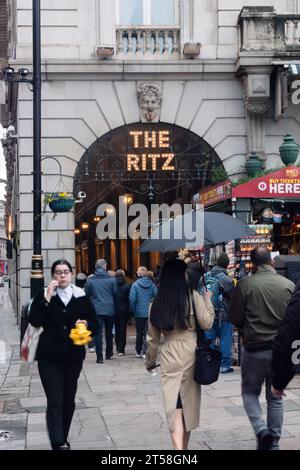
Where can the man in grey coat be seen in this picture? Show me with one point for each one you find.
(258, 305)
(102, 290)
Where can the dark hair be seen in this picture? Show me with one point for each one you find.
(60, 261)
(194, 272)
(169, 307)
(223, 260)
(81, 278)
(260, 255)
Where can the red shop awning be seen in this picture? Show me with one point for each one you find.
(284, 183)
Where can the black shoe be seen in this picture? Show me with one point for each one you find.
(228, 370)
(67, 443)
(99, 360)
(64, 446)
(108, 357)
(264, 440)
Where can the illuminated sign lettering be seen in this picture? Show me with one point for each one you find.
(141, 141)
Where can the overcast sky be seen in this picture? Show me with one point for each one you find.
(2, 168)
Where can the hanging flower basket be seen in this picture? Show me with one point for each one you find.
(59, 202)
(61, 205)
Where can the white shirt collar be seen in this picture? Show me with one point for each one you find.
(75, 291)
(65, 294)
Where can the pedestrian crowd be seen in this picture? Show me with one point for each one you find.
(168, 304)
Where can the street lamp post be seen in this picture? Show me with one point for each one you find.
(37, 273)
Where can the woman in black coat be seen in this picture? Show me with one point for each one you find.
(58, 309)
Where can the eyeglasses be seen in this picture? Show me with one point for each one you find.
(60, 273)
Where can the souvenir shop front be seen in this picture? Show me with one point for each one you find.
(271, 205)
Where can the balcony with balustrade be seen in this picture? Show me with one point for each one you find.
(266, 33)
(147, 42)
(288, 29)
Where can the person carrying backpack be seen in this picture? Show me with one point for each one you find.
(219, 283)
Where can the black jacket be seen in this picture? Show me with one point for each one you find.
(57, 321)
(283, 350)
(123, 289)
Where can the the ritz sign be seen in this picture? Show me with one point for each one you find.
(150, 151)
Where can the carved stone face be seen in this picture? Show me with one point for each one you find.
(149, 100)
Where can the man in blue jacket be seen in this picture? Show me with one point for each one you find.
(222, 287)
(142, 292)
(103, 293)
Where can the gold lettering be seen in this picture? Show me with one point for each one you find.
(154, 158)
(136, 140)
(144, 162)
(132, 161)
(166, 166)
(164, 139)
(149, 139)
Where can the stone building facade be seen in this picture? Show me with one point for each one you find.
(220, 66)
(3, 239)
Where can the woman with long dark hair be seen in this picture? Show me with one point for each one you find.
(58, 309)
(172, 314)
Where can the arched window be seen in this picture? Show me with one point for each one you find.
(147, 12)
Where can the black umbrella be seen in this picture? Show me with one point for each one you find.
(218, 228)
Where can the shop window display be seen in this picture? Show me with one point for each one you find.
(287, 234)
(262, 237)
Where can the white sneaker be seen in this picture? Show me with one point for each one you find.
(91, 350)
(144, 356)
(138, 355)
(120, 354)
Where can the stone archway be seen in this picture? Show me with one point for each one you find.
(154, 163)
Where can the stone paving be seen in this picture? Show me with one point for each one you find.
(119, 405)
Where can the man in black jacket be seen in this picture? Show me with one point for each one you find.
(286, 348)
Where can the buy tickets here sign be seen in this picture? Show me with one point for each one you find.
(284, 183)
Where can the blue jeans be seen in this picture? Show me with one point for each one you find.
(256, 370)
(108, 322)
(224, 333)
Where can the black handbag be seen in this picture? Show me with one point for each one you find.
(208, 356)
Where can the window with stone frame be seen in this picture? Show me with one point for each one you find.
(147, 12)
